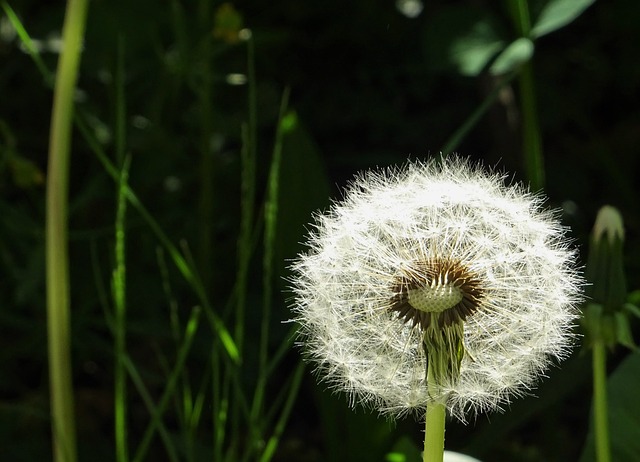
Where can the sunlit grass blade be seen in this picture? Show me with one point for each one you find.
(28, 44)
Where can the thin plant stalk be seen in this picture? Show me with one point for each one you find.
(119, 296)
(272, 443)
(172, 382)
(434, 428)
(270, 219)
(456, 138)
(57, 257)
(531, 138)
(532, 141)
(600, 415)
(119, 274)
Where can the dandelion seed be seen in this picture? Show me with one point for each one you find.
(439, 265)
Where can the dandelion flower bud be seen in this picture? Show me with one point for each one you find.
(435, 264)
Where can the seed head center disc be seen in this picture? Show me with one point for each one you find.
(437, 293)
(434, 299)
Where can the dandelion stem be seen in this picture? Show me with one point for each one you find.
(600, 417)
(434, 427)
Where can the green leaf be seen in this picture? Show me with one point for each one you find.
(517, 53)
(623, 330)
(557, 14)
(632, 309)
(463, 38)
(624, 413)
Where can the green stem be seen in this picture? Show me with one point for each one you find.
(603, 453)
(120, 329)
(434, 428)
(119, 274)
(57, 257)
(456, 138)
(531, 139)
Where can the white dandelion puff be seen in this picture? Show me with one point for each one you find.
(441, 263)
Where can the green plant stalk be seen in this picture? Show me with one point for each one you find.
(248, 155)
(600, 415)
(168, 440)
(57, 257)
(434, 428)
(119, 274)
(456, 138)
(531, 139)
(272, 443)
(270, 224)
(218, 406)
(119, 291)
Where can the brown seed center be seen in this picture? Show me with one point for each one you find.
(437, 293)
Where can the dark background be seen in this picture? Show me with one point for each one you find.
(369, 87)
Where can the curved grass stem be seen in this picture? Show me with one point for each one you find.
(57, 256)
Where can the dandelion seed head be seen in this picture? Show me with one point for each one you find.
(435, 247)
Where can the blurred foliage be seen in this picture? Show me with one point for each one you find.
(370, 86)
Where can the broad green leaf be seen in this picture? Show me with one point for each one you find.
(624, 413)
(557, 14)
(516, 54)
